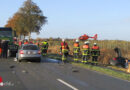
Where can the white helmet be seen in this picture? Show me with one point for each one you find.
(63, 40)
(76, 40)
(95, 43)
(86, 42)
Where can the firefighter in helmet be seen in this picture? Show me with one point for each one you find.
(64, 50)
(44, 47)
(76, 50)
(85, 52)
(95, 52)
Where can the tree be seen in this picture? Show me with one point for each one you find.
(28, 19)
(33, 16)
(17, 24)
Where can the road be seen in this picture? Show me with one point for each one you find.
(51, 75)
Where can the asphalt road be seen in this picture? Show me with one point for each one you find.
(51, 75)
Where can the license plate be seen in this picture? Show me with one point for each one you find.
(29, 52)
(34, 53)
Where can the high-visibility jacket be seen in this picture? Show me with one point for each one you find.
(85, 50)
(20, 43)
(44, 45)
(76, 48)
(0, 51)
(26, 43)
(95, 47)
(95, 51)
(64, 47)
(76, 44)
(37, 44)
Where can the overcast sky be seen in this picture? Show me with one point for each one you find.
(110, 19)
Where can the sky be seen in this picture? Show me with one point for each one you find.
(110, 19)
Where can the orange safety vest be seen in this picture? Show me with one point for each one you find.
(95, 47)
(76, 44)
(25, 43)
(36, 43)
(85, 46)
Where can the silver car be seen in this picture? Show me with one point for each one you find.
(29, 52)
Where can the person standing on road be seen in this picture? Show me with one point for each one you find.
(64, 50)
(4, 49)
(44, 47)
(76, 50)
(20, 43)
(85, 52)
(95, 52)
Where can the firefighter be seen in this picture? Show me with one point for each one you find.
(64, 50)
(30, 42)
(44, 47)
(4, 49)
(26, 42)
(37, 43)
(76, 50)
(95, 52)
(20, 43)
(85, 52)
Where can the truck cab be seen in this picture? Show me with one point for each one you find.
(8, 34)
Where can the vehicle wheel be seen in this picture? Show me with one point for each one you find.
(19, 60)
(112, 62)
(38, 60)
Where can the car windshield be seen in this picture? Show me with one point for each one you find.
(5, 33)
(30, 47)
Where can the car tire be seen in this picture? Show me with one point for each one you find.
(19, 60)
(38, 60)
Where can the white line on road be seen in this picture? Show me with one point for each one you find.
(67, 84)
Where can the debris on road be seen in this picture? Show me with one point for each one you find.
(24, 71)
(13, 72)
(75, 70)
(29, 62)
(12, 67)
(15, 59)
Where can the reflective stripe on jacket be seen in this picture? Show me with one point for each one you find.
(45, 45)
(76, 48)
(95, 51)
(85, 50)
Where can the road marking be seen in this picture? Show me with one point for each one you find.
(67, 84)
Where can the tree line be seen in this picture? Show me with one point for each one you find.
(28, 19)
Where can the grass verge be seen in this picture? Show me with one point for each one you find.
(107, 71)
